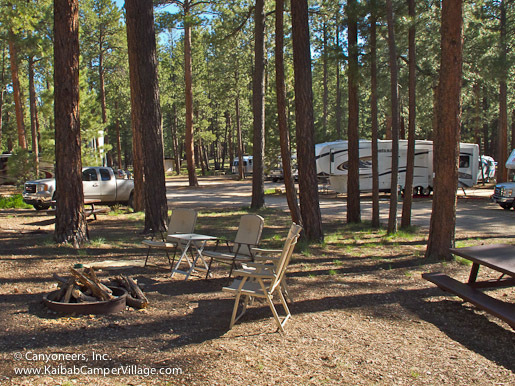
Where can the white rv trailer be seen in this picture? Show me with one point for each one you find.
(247, 164)
(332, 160)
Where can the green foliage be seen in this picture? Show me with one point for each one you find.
(14, 201)
(21, 166)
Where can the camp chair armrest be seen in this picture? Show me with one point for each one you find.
(261, 251)
(254, 274)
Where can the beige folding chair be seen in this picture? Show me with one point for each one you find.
(247, 237)
(271, 258)
(264, 281)
(181, 221)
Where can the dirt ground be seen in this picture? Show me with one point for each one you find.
(361, 315)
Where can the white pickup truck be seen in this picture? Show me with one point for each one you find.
(99, 183)
(504, 193)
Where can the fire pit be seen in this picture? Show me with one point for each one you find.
(116, 304)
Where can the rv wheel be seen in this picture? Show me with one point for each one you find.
(426, 191)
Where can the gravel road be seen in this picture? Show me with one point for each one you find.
(476, 215)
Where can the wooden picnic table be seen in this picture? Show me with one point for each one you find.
(92, 211)
(498, 257)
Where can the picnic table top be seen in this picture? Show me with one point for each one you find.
(500, 257)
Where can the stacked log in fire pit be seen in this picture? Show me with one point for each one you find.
(83, 293)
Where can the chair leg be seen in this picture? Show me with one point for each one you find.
(209, 268)
(146, 259)
(235, 310)
(285, 306)
(286, 292)
(274, 311)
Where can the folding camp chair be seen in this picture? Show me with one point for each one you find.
(264, 281)
(247, 237)
(181, 221)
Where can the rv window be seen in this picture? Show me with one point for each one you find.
(464, 161)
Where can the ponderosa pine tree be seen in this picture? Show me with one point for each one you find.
(447, 137)
(308, 183)
(141, 40)
(70, 221)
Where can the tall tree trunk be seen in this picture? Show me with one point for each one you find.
(33, 116)
(476, 89)
(486, 141)
(101, 78)
(353, 199)
(230, 145)
(241, 172)
(140, 23)
(190, 146)
(338, 111)
(284, 135)
(258, 107)
(410, 158)
(2, 93)
(138, 199)
(18, 106)
(175, 142)
(373, 112)
(447, 137)
(502, 136)
(118, 139)
(325, 96)
(308, 184)
(70, 221)
(392, 216)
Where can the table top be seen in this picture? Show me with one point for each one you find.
(191, 237)
(500, 257)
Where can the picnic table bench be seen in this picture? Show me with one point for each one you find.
(91, 211)
(499, 257)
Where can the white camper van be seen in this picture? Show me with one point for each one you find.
(247, 164)
(332, 160)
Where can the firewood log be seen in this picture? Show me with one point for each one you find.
(90, 273)
(97, 291)
(64, 288)
(81, 297)
(136, 292)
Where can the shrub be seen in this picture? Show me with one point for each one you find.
(14, 201)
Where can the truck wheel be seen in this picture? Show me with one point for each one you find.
(130, 203)
(505, 206)
(426, 191)
(41, 207)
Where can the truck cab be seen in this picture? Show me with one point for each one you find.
(504, 193)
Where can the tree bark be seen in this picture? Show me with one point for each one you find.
(502, 136)
(308, 184)
(190, 146)
(338, 111)
(70, 221)
(18, 106)
(353, 196)
(140, 20)
(373, 112)
(447, 137)
(258, 107)
(33, 117)
(410, 157)
(284, 135)
(241, 172)
(392, 50)
(325, 95)
(138, 199)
